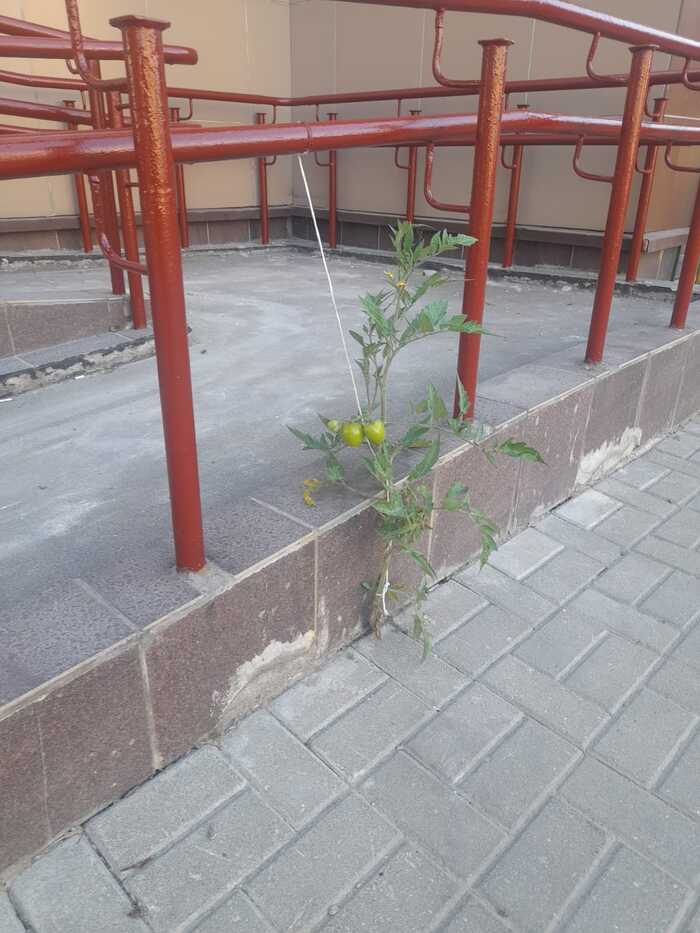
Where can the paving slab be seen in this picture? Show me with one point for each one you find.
(538, 772)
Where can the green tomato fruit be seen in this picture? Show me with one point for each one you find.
(352, 434)
(375, 431)
(333, 426)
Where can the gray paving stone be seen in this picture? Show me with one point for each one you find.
(625, 620)
(565, 575)
(587, 542)
(689, 467)
(456, 835)
(288, 776)
(325, 695)
(164, 809)
(371, 730)
(404, 898)
(545, 698)
(675, 487)
(401, 656)
(236, 915)
(70, 889)
(631, 896)
(637, 817)
(635, 497)
(588, 509)
(640, 473)
(323, 866)
(524, 553)
(482, 640)
(694, 503)
(632, 578)
(627, 526)
(201, 869)
(681, 444)
(447, 607)
(472, 917)
(682, 529)
(9, 922)
(689, 649)
(644, 736)
(54, 631)
(677, 600)
(682, 785)
(451, 742)
(560, 642)
(531, 882)
(508, 594)
(13, 364)
(518, 771)
(679, 557)
(611, 671)
(679, 683)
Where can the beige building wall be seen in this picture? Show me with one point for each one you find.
(299, 47)
(244, 45)
(344, 47)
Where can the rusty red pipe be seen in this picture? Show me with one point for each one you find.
(560, 13)
(106, 205)
(81, 198)
(128, 223)
(516, 169)
(529, 86)
(691, 258)
(262, 190)
(150, 125)
(30, 110)
(94, 48)
(181, 190)
(428, 188)
(60, 153)
(332, 166)
(689, 270)
(644, 201)
(488, 131)
(630, 135)
(59, 48)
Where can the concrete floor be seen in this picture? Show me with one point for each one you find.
(537, 773)
(85, 545)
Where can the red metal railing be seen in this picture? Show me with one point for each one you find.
(155, 148)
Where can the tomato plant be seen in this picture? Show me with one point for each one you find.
(397, 317)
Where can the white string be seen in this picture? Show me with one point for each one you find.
(330, 286)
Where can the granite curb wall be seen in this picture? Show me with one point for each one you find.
(82, 740)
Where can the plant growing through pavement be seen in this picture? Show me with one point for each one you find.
(395, 318)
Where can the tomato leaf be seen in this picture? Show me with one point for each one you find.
(427, 463)
(520, 450)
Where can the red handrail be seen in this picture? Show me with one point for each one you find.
(25, 108)
(560, 13)
(173, 54)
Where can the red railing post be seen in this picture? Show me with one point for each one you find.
(143, 46)
(333, 192)
(493, 73)
(181, 191)
(412, 177)
(637, 89)
(128, 218)
(516, 170)
(689, 270)
(262, 192)
(645, 191)
(110, 221)
(81, 197)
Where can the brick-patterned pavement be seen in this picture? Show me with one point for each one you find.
(540, 772)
